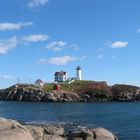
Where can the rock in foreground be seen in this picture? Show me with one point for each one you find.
(12, 130)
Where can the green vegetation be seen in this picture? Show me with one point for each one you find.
(48, 86)
(68, 87)
(77, 86)
(25, 86)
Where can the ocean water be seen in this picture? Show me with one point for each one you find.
(123, 119)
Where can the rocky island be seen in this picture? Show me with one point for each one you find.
(78, 91)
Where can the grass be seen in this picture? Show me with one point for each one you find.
(25, 86)
(68, 87)
(50, 86)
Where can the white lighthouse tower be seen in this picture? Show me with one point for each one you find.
(78, 73)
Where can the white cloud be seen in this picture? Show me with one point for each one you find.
(119, 44)
(5, 77)
(56, 45)
(64, 59)
(100, 56)
(13, 26)
(37, 3)
(75, 47)
(35, 38)
(42, 61)
(139, 30)
(7, 44)
(80, 58)
(100, 50)
(61, 60)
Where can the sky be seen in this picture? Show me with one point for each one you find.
(40, 37)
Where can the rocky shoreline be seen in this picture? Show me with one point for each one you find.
(13, 130)
(90, 93)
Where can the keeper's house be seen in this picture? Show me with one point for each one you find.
(60, 76)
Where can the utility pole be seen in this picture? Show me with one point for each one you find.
(29, 81)
(18, 80)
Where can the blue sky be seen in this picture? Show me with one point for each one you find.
(39, 37)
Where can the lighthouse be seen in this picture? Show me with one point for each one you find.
(78, 73)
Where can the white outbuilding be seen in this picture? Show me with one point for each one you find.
(39, 83)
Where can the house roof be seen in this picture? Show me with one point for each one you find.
(39, 81)
(60, 73)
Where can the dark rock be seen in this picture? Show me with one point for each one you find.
(49, 97)
(80, 135)
(125, 93)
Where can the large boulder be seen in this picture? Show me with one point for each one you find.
(54, 130)
(102, 134)
(91, 134)
(36, 132)
(49, 97)
(53, 137)
(63, 96)
(46, 132)
(12, 130)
